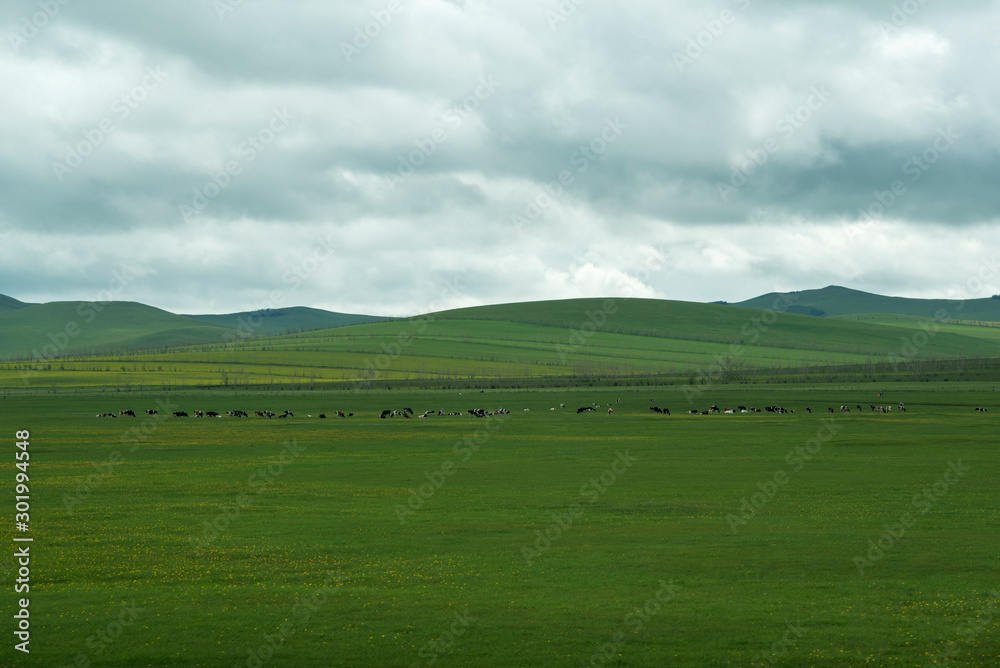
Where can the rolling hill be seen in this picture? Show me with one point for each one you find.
(287, 320)
(542, 341)
(74, 328)
(9, 303)
(838, 301)
(62, 328)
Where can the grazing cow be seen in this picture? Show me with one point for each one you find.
(829, 409)
(340, 413)
(180, 414)
(980, 410)
(126, 411)
(808, 410)
(212, 414)
(584, 409)
(609, 411)
(150, 411)
(385, 414)
(562, 405)
(655, 409)
(322, 416)
(693, 411)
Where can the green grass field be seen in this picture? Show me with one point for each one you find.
(561, 341)
(542, 538)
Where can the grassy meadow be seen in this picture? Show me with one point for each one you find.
(537, 538)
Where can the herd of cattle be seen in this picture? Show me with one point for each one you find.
(481, 412)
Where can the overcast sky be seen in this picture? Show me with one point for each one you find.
(400, 156)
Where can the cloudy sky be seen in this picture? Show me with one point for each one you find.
(399, 156)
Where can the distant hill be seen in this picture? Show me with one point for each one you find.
(286, 320)
(9, 303)
(838, 301)
(61, 328)
(582, 338)
(712, 323)
(73, 328)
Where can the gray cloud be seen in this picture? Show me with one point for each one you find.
(751, 136)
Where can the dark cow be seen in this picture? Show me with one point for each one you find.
(180, 414)
(322, 416)
(385, 414)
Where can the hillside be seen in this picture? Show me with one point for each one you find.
(9, 303)
(286, 320)
(838, 301)
(60, 328)
(511, 343)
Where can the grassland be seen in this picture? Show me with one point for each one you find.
(563, 342)
(319, 569)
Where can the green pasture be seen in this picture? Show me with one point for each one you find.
(549, 340)
(543, 538)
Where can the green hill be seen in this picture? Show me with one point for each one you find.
(61, 328)
(839, 301)
(9, 303)
(511, 343)
(286, 320)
